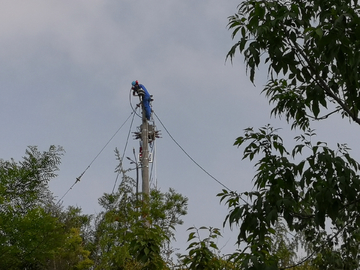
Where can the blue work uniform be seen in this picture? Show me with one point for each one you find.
(146, 102)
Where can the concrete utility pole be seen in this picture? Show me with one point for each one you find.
(145, 153)
(147, 133)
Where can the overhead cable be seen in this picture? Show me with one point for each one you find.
(122, 157)
(197, 164)
(79, 178)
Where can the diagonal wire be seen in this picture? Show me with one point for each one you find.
(79, 178)
(189, 155)
(122, 157)
(197, 164)
(132, 113)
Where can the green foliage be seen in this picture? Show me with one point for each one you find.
(311, 49)
(283, 246)
(33, 231)
(312, 195)
(26, 226)
(24, 185)
(145, 246)
(73, 251)
(132, 233)
(204, 253)
(312, 52)
(27, 241)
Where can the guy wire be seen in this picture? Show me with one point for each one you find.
(197, 164)
(79, 178)
(122, 157)
(189, 155)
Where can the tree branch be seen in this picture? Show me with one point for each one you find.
(324, 86)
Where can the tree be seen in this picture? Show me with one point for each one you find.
(26, 225)
(203, 253)
(73, 251)
(285, 246)
(132, 233)
(311, 49)
(32, 233)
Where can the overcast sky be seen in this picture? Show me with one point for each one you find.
(65, 74)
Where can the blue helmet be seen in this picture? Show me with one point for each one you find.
(134, 83)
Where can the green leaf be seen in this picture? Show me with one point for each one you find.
(319, 32)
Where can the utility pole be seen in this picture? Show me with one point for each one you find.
(147, 133)
(145, 153)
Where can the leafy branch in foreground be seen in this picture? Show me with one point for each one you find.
(312, 52)
(204, 253)
(316, 196)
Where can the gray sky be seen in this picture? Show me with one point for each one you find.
(65, 75)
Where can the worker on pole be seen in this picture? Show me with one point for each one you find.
(140, 90)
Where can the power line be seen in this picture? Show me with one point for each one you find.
(197, 164)
(105, 145)
(238, 195)
(122, 157)
(79, 178)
